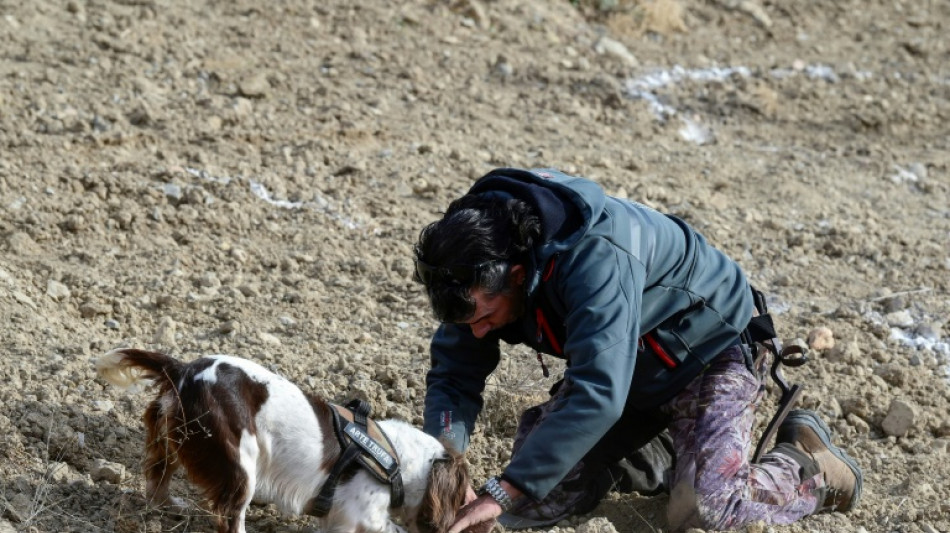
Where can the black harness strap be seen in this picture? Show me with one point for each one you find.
(358, 444)
(761, 332)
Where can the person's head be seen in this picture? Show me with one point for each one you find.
(472, 261)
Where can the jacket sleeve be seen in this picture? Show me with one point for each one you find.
(454, 384)
(600, 287)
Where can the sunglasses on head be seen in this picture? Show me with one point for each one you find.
(455, 274)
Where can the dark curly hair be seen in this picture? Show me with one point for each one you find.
(475, 244)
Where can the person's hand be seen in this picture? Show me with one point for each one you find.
(477, 516)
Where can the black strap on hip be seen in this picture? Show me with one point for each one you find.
(355, 431)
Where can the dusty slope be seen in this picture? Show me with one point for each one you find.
(226, 177)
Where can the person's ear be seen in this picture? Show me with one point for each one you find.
(518, 274)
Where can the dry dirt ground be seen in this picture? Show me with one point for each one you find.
(249, 177)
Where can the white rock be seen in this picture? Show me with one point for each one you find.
(597, 525)
(616, 49)
(899, 319)
(900, 418)
(268, 338)
(57, 290)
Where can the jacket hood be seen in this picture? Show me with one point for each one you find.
(568, 206)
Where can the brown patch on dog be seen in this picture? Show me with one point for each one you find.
(202, 424)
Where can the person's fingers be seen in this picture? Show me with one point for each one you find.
(477, 512)
(470, 496)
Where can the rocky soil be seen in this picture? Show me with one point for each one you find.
(249, 177)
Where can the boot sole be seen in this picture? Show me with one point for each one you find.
(812, 421)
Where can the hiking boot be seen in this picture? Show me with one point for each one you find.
(807, 439)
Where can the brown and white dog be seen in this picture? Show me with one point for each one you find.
(242, 432)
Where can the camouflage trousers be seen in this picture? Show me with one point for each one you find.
(696, 446)
(714, 486)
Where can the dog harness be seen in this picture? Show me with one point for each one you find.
(363, 441)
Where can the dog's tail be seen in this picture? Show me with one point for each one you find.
(133, 369)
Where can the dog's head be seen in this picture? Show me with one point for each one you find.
(449, 482)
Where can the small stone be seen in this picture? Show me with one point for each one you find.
(860, 426)
(165, 333)
(845, 352)
(24, 299)
(893, 374)
(21, 243)
(268, 338)
(60, 472)
(239, 255)
(57, 290)
(112, 323)
(821, 339)
(255, 86)
(103, 470)
(615, 49)
(91, 309)
(901, 417)
(599, 524)
(899, 319)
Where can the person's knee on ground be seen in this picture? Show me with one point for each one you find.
(689, 509)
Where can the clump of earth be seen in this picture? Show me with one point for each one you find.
(249, 178)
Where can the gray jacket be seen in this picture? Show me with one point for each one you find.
(605, 272)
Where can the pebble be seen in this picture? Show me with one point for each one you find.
(103, 470)
(165, 333)
(57, 290)
(255, 86)
(268, 338)
(899, 319)
(23, 299)
(845, 352)
(617, 50)
(60, 472)
(20, 243)
(901, 417)
(599, 524)
(821, 339)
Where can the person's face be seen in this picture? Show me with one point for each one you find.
(493, 312)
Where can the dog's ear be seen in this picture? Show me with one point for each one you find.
(449, 482)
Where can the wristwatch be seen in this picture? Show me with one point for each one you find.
(493, 488)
